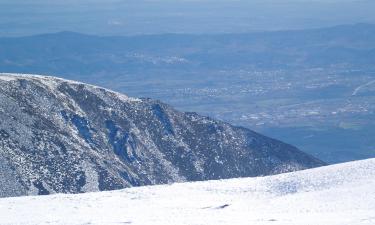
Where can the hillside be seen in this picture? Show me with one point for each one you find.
(59, 136)
(337, 194)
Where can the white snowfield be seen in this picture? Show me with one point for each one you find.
(339, 194)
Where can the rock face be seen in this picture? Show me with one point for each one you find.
(59, 136)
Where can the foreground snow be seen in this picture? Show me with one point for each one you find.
(338, 194)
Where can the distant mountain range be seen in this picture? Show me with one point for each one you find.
(59, 136)
(74, 54)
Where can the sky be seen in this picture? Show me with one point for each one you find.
(130, 17)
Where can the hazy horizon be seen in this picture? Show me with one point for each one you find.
(20, 18)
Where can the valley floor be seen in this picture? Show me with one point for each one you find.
(339, 194)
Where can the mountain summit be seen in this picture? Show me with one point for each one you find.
(60, 136)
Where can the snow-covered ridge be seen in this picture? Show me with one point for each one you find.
(60, 136)
(52, 82)
(333, 195)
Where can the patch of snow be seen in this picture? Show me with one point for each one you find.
(92, 179)
(125, 98)
(6, 77)
(53, 82)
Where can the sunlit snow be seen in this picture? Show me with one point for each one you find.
(337, 194)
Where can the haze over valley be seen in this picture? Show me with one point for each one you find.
(311, 88)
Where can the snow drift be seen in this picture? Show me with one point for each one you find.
(339, 194)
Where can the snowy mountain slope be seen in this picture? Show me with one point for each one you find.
(341, 194)
(59, 136)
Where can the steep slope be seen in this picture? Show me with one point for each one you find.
(59, 136)
(338, 194)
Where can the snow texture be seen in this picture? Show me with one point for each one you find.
(342, 194)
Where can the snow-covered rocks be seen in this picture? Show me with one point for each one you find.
(60, 136)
